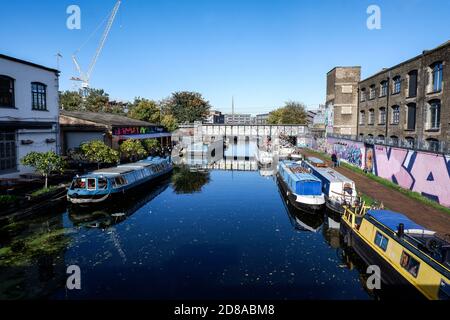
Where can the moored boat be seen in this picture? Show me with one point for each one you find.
(339, 190)
(409, 256)
(302, 188)
(101, 185)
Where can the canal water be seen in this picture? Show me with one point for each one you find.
(199, 234)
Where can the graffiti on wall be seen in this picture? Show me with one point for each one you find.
(421, 172)
(425, 173)
(349, 151)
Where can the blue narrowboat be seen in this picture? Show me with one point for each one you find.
(101, 185)
(302, 188)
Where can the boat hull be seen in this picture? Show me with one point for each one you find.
(394, 285)
(305, 204)
(90, 200)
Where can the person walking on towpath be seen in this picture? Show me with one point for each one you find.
(334, 159)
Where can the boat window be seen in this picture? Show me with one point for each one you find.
(102, 183)
(119, 181)
(381, 241)
(79, 183)
(410, 264)
(91, 184)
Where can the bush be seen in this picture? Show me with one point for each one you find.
(7, 199)
(132, 149)
(98, 152)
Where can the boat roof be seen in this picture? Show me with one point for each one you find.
(126, 168)
(392, 220)
(315, 160)
(332, 175)
(298, 176)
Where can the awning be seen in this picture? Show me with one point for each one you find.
(144, 136)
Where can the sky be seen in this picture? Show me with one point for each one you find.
(263, 53)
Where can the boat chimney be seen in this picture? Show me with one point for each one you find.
(401, 230)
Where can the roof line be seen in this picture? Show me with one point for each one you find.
(32, 64)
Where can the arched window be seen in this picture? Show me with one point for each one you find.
(433, 144)
(395, 115)
(6, 92)
(380, 138)
(363, 95)
(436, 76)
(372, 92)
(371, 116)
(434, 115)
(410, 142)
(397, 85)
(394, 140)
(382, 119)
(411, 116)
(362, 117)
(383, 88)
(39, 96)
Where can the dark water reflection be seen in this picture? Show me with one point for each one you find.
(233, 237)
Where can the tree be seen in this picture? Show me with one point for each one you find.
(96, 100)
(169, 122)
(132, 149)
(71, 100)
(186, 181)
(187, 106)
(145, 110)
(292, 113)
(44, 163)
(97, 151)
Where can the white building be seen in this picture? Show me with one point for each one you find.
(29, 113)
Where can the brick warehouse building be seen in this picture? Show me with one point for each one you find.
(342, 100)
(408, 104)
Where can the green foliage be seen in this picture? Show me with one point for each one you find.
(292, 113)
(187, 107)
(145, 110)
(151, 144)
(8, 199)
(170, 122)
(44, 163)
(98, 152)
(186, 181)
(96, 100)
(43, 191)
(71, 100)
(132, 149)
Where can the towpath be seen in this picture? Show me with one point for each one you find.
(419, 212)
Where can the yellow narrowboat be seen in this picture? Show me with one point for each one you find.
(410, 257)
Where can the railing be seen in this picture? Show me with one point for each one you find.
(420, 145)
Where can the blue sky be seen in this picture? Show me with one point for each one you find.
(261, 52)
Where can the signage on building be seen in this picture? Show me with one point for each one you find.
(125, 131)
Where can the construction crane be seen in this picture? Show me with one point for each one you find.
(84, 77)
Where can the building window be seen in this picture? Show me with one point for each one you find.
(381, 139)
(8, 161)
(395, 115)
(397, 85)
(6, 92)
(410, 142)
(383, 88)
(434, 115)
(437, 74)
(394, 140)
(412, 84)
(371, 116)
(433, 144)
(363, 95)
(39, 96)
(381, 241)
(409, 264)
(372, 92)
(382, 119)
(362, 117)
(411, 116)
